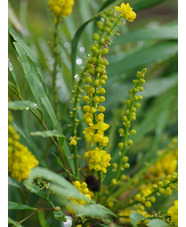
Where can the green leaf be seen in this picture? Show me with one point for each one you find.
(152, 115)
(14, 183)
(54, 133)
(36, 86)
(59, 215)
(22, 105)
(154, 54)
(16, 224)
(157, 222)
(94, 210)
(36, 189)
(156, 87)
(169, 32)
(31, 77)
(18, 206)
(144, 4)
(135, 217)
(64, 191)
(42, 219)
(12, 72)
(152, 88)
(28, 51)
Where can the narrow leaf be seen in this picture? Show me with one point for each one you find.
(22, 105)
(54, 133)
(142, 57)
(11, 221)
(18, 206)
(169, 32)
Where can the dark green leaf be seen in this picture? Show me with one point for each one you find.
(135, 217)
(54, 133)
(18, 206)
(169, 32)
(157, 223)
(42, 219)
(142, 57)
(144, 4)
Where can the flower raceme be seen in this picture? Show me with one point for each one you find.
(20, 160)
(126, 11)
(99, 159)
(61, 7)
(173, 213)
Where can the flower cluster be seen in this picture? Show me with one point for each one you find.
(99, 159)
(95, 80)
(167, 164)
(129, 116)
(126, 12)
(82, 187)
(61, 7)
(173, 213)
(20, 160)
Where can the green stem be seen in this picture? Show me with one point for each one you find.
(100, 174)
(56, 63)
(75, 123)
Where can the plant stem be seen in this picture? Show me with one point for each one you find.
(100, 185)
(75, 123)
(44, 209)
(56, 63)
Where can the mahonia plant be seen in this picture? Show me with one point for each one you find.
(126, 192)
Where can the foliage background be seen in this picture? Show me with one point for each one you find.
(156, 123)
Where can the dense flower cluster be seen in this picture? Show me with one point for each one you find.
(20, 160)
(99, 159)
(126, 12)
(173, 213)
(82, 187)
(166, 165)
(61, 7)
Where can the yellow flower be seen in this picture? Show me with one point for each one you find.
(20, 160)
(126, 12)
(99, 160)
(73, 141)
(61, 7)
(166, 165)
(173, 213)
(82, 187)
